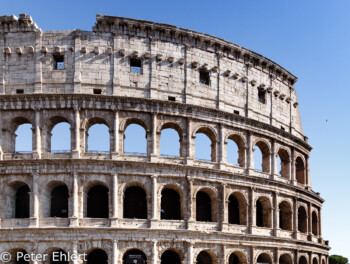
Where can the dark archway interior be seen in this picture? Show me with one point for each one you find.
(204, 258)
(134, 256)
(264, 258)
(285, 215)
(97, 202)
(21, 260)
(203, 207)
(59, 201)
(302, 260)
(135, 203)
(170, 257)
(233, 211)
(302, 220)
(170, 205)
(259, 214)
(59, 257)
(300, 170)
(285, 259)
(233, 259)
(314, 224)
(98, 256)
(22, 202)
(314, 261)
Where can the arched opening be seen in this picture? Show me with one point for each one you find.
(237, 209)
(97, 202)
(234, 259)
(59, 201)
(302, 220)
(285, 259)
(302, 260)
(170, 257)
(19, 257)
(285, 215)
(203, 207)
(24, 138)
(235, 151)
(22, 202)
(134, 256)
(284, 164)
(135, 140)
(261, 157)
(170, 205)
(314, 261)
(263, 212)
(97, 256)
(204, 258)
(98, 138)
(135, 203)
(170, 143)
(60, 138)
(264, 258)
(59, 257)
(205, 145)
(314, 223)
(300, 170)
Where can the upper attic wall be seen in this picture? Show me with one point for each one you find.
(172, 60)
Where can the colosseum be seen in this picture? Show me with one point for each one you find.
(121, 207)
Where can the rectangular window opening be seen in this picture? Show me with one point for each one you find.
(19, 91)
(171, 98)
(97, 91)
(236, 112)
(204, 77)
(58, 62)
(135, 65)
(262, 96)
(283, 128)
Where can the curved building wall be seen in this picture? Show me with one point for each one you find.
(250, 216)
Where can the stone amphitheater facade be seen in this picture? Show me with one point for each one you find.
(180, 79)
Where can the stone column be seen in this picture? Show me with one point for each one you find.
(223, 254)
(276, 214)
(273, 159)
(1, 154)
(292, 167)
(295, 218)
(38, 64)
(115, 141)
(154, 252)
(115, 204)
(153, 92)
(155, 217)
(319, 223)
(37, 141)
(189, 145)
(75, 252)
(115, 58)
(34, 221)
(190, 218)
(115, 252)
(76, 150)
(251, 212)
(307, 173)
(309, 215)
(250, 153)
(74, 220)
(77, 64)
(222, 154)
(224, 209)
(154, 152)
(190, 252)
(2, 65)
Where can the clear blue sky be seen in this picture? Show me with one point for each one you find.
(309, 38)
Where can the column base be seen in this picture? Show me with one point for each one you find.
(33, 222)
(114, 222)
(36, 155)
(114, 155)
(74, 222)
(153, 158)
(76, 154)
(190, 224)
(222, 166)
(276, 232)
(153, 223)
(189, 161)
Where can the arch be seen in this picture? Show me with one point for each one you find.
(240, 143)
(21, 140)
(300, 170)
(134, 256)
(265, 156)
(314, 223)
(170, 204)
(135, 203)
(134, 143)
(170, 257)
(206, 206)
(302, 219)
(285, 259)
(211, 135)
(237, 257)
(129, 121)
(59, 201)
(263, 212)
(302, 260)
(98, 202)
(18, 256)
(22, 202)
(285, 163)
(285, 216)
(314, 260)
(237, 209)
(171, 137)
(59, 256)
(204, 258)
(97, 256)
(58, 129)
(264, 258)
